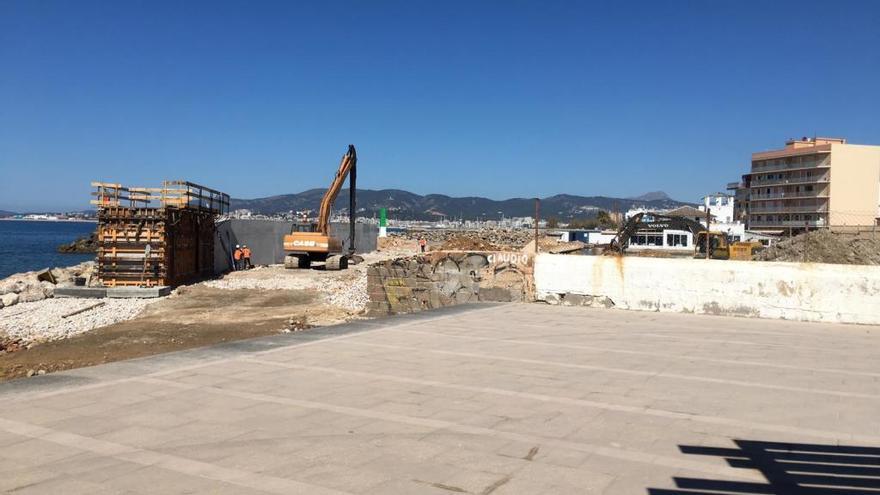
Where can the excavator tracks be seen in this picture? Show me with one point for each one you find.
(336, 263)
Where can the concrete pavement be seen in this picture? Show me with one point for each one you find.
(518, 398)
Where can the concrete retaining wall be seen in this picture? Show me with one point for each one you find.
(796, 291)
(440, 279)
(265, 238)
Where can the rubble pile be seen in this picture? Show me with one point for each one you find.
(350, 295)
(498, 238)
(823, 246)
(467, 243)
(345, 289)
(551, 244)
(36, 286)
(36, 322)
(29, 313)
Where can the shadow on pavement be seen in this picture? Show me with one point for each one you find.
(790, 469)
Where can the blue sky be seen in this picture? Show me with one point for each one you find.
(496, 99)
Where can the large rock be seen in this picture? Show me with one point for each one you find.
(9, 299)
(48, 289)
(83, 245)
(18, 283)
(31, 293)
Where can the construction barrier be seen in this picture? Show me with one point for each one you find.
(794, 291)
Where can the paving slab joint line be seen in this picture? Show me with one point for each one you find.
(639, 353)
(834, 436)
(611, 452)
(659, 374)
(9, 391)
(147, 457)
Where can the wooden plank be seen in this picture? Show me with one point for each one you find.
(83, 310)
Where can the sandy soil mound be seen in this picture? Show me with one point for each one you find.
(823, 246)
(468, 243)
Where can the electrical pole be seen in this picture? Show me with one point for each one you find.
(537, 219)
(708, 220)
(806, 239)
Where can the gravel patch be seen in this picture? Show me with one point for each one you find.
(350, 295)
(245, 280)
(346, 289)
(41, 321)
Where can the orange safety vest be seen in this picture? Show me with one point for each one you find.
(246, 252)
(422, 242)
(237, 254)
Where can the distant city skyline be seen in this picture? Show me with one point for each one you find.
(490, 99)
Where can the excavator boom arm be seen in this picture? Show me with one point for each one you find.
(349, 162)
(636, 223)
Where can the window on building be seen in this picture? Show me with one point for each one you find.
(676, 240)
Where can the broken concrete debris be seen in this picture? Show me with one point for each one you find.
(570, 299)
(36, 286)
(476, 240)
(823, 246)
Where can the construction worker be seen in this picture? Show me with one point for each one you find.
(246, 257)
(422, 243)
(236, 256)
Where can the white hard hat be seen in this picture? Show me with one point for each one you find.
(237, 245)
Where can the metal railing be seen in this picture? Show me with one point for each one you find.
(789, 209)
(789, 195)
(175, 194)
(826, 163)
(789, 223)
(801, 179)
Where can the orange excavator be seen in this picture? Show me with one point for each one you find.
(312, 241)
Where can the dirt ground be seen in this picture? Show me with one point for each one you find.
(239, 305)
(197, 316)
(823, 246)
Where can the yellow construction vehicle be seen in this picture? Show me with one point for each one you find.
(720, 248)
(312, 241)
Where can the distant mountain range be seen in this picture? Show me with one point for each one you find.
(405, 205)
(4, 213)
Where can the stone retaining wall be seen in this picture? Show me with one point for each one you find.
(447, 278)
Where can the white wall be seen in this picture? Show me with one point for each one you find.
(796, 291)
(721, 205)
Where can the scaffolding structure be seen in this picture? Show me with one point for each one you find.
(149, 237)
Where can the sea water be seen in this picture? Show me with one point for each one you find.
(32, 245)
